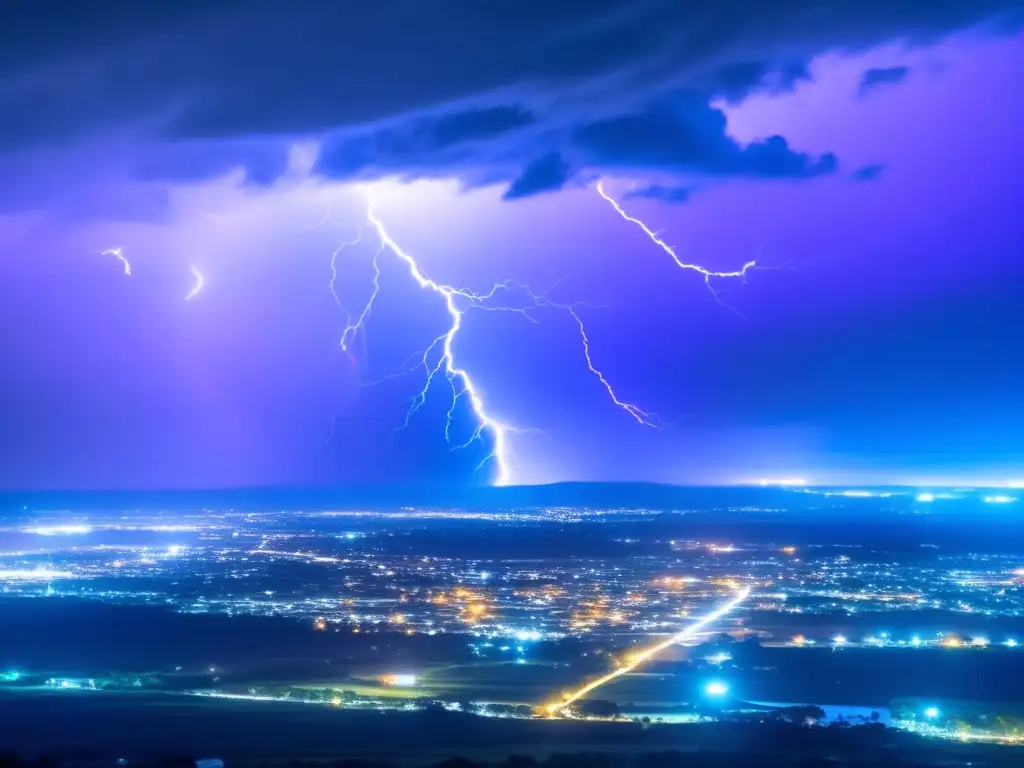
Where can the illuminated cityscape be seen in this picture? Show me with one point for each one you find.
(481, 610)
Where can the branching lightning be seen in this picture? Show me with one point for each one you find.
(439, 356)
(645, 418)
(116, 252)
(198, 285)
(708, 274)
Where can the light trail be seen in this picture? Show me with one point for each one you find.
(116, 252)
(653, 236)
(639, 658)
(197, 287)
(457, 301)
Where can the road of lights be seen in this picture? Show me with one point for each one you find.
(457, 302)
(636, 659)
(707, 273)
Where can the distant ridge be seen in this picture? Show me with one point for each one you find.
(575, 494)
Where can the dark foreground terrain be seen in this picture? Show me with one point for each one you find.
(99, 729)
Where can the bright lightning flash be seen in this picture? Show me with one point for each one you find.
(637, 659)
(708, 274)
(457, 301)
(197, 287)
(116, 252)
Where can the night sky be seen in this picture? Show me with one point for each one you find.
(867, 155)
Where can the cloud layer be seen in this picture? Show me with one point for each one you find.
(530, 94)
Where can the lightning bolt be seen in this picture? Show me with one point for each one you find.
(116, 252)
(707, 273)
(438, 359)
(643, 417)
(198, 285)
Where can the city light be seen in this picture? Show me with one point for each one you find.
(60, 530)
(37, 574)
(931, 713)
(399, 681)
(1011, 643)
(716, 688)
(839, 640)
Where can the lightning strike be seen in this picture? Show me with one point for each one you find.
(198, 285)
(453, 373)
(334, 267)
(457, 302)
(116, 252)
(352, 329)
(656, 239)
(637, 659)
(647, 419)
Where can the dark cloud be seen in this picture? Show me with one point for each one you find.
(687, 136)
(868, 172)
(665, 194)
(263, 162)
(873, 79)
(421, 143)
(545, 174)
(409, 86)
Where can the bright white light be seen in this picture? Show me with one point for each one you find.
(39, 574)
(915, 641)
(926, 497)
(175, 549)
(404, 681)
(718, 658)
(716, 688)
(527, 635)
(999, 499)
(56, 530)
(839, 640)
(931, 713)
(784, 481)
(1011, 643)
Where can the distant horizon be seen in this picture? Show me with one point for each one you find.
(497, 489)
